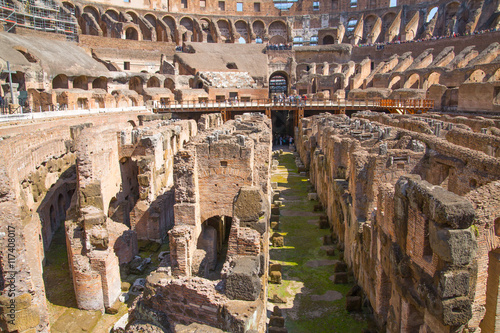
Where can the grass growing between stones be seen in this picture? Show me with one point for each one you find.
(305, 266)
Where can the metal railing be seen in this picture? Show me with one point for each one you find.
(68, 113)
(207, 105)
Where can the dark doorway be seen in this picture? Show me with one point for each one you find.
(278, 84)
(328, 40)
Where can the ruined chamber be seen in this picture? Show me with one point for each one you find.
(216, 274)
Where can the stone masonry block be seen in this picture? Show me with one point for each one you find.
(454, 283)
(242, 281)
(456, 311)
(454, 246)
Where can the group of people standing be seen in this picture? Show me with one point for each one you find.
(283, 140)
(282, 99)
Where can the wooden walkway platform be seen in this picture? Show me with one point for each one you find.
(267, 106)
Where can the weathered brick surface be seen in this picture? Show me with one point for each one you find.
(408, 241)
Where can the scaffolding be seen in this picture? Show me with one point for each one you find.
(41, 15)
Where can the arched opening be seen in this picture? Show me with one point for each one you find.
(328, 39)
(259, 30)
(189, 35)
(242, 29)
(211, 249)
(100, 83)
(432, 79)
(476, 76)
(387, 21)
(431, 15)
(395, 83)
(206, 31)
(60, 82)
(495, 76)
(153, 82)
(169, 84)
(131, 33)
(278, 32)
(91, 20)
(278, 84)
(224, 30)
(170, 22)
(149, 32)
(413, 81)
(136, 84)
(81, 82)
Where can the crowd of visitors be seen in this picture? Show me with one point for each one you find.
(279, 46)
(283, 140)
(282, 99)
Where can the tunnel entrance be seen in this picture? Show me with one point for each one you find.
(283, 121)
(211, 249)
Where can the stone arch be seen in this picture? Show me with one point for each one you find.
(259, 28)
(113, 14)
(225, 30)
(387, 21)
(131, 17)
(172, 26)
(131, 33)
(149, 31)
(450, 17)
(432, 78)
(495, 76)
(395, 83)
(432, 12)
(242, 29)
(100, 83)
(328, 40)
(413, 81)
(338, 82)
(278, 83)
(92, 10)
(206, 30)
(169, 84)
(110, 19)
(369, 35)
(476, 76)
(69, 6)
(137, 84)
(90, 21)
(188, 34)
(60, 82)
(278, 32)
(153, 82)
(81, 82)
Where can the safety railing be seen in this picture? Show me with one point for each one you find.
(208, 105)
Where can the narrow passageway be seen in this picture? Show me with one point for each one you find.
(309, 299)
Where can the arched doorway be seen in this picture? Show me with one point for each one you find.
(328, 39)
(211, 248)
(278, 84)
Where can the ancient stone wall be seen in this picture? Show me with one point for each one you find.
(222, 198)
(418, 250)
(38, 183)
